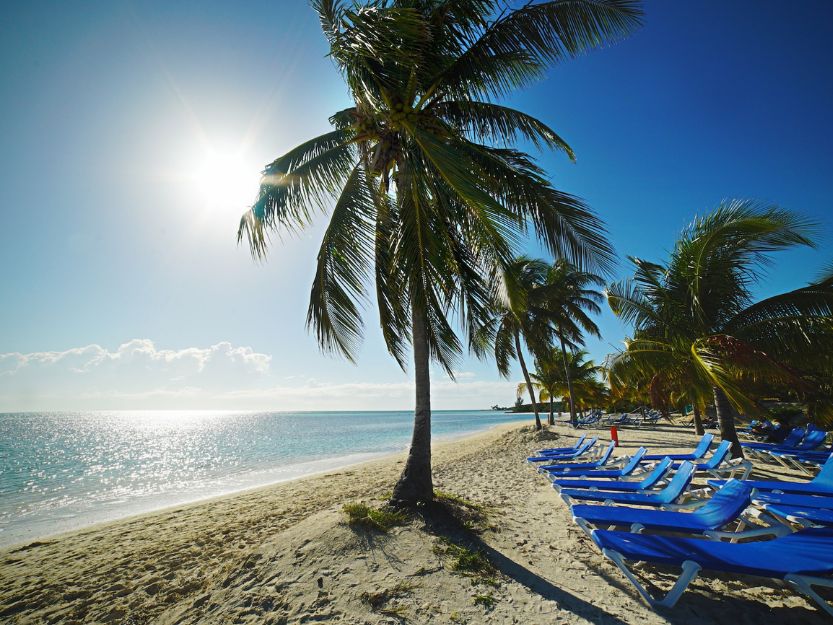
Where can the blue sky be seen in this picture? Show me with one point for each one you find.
(122, 284)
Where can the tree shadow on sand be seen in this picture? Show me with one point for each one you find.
(442, 521)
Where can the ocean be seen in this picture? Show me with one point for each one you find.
(61, 471)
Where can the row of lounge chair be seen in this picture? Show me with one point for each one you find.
(596, 418)
(647, 497)
(802, 449)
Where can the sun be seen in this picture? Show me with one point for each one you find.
(225, 181)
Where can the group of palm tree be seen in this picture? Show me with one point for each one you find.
(699, 335)
(546, 309)
(430, 200)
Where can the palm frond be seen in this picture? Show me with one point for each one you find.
(343, 260)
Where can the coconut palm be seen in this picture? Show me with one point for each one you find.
(577, 378)
(519, 320)
(697, 311)
(569, 296)
(430, 198)
(674, 382)
(550, 380)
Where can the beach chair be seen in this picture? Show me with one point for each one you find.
(725, 507)
(822, 484)
(806, 517)
(762, 449)
(567, 455)
(553, 450)
(699, 451)
(564, 468)
(650, 481)
(652, 418)
(791, 499)
(812, 440)
(721, 463)
(804, 559)
(632, 464)
(621, 420)
(667, 497)
(810, 461)
(591, 419)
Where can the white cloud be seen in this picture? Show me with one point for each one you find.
(138, 374)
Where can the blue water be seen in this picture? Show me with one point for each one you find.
(61, 471)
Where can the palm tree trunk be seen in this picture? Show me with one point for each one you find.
(573, 419)
(698, 421)
(551, 420)
(528, 380)
(415, 483)
(726, 419)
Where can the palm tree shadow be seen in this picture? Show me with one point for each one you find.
(440, 521)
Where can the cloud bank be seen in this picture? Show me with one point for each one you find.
(140, 375)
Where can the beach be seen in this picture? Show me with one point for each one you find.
(285, 554)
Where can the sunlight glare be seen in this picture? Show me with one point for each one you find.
(225, 181)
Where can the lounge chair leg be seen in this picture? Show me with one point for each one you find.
(804, 584)
(583, 525)
(689, 572)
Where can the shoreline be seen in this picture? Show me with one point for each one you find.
(338, 464)
(284, 554)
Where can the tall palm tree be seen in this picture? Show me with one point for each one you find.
(569, 296)
(430, 197)
(518, 320)
(697, 311)
(552, 378)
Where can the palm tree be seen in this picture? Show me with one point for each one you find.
(569, 297)
(550, 380)
(430, 197)
(553, 378)
(674, 382)
(696, 313)
(518, 318)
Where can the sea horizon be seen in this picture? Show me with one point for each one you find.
(62, 471)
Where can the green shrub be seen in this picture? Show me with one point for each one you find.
(487, 601)
(380, 519)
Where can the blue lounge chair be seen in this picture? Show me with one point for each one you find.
(553, 450)
(726, 506)
(595, 474)
(787, 457)
(806, 517)
(563, 468)
(804, 559)
(652, 418)
(720, 463)
(675, 489)
(699, 451)
(591, 419)
(790, 499)
(569, 455)
(650, 480)
(792, 439)
(822, 484)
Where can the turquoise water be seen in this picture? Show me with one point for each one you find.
(62, 470)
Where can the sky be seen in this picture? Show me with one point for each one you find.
(133, 134)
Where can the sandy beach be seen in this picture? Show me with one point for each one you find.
(285, 554)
